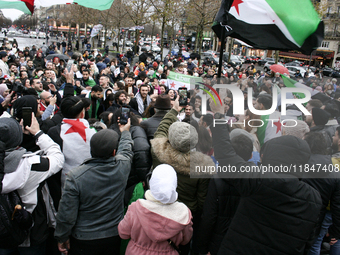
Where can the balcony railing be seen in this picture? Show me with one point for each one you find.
(332, 16)
(332, 34)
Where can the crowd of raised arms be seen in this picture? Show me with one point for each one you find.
(98, 153)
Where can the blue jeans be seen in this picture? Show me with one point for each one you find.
(316, 247)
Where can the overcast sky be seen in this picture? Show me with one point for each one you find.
(12, 14)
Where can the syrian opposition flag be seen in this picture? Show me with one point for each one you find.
(315, 94)
(271, 127)
(98, 5)
(27, 6)
(76, 136)
(177, 80)
(271, 24)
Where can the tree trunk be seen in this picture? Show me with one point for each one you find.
(162, 35)
(199, 40)
(153, 28)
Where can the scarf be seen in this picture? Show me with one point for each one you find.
(12, 159)
(140, 102)
(97, 107)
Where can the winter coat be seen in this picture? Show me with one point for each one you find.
(326, 133)
(150, 125)
(218, 211)
(39, 62)
(150, 224)
(29, 179)
(142, 160)
(92, 203)
(328, 185)
(191, 191)
(277, 214)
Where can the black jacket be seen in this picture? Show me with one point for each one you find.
(276, 214)
(329, 139)
(150, 125)
(142, 161)
(218, 211)
(328, 185)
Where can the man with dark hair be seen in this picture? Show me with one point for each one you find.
(87, 80)
(328, 184)
(119, 101)
(13, 69)
(129, 81)
(319, 120)
(30, 67)
(37, 85)
(142, 100)
(97, 106)
(313, 103)
(3, 63)
(206, 120)
(100, 64)
(243, 146)
(263, 102)
(99, 184)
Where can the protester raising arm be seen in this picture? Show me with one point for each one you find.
(169, 118)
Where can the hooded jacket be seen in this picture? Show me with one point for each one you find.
(191, 191)
(277, 214)
(150, 224)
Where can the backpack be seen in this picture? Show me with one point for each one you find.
(15, 221)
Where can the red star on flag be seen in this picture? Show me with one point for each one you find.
(173, 84)
(278, 126)
(235, 4)
(76, 127)
(163, 82)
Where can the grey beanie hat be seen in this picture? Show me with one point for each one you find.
(103, 143)
(182, 136)
(10, 132)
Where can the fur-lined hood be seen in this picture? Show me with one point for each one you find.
(181, 162)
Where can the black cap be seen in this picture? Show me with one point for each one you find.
(103, 143)
(320, 117)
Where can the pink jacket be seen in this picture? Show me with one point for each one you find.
(150, 225)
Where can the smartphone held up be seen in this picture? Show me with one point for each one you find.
(125, 115)
(183, 96)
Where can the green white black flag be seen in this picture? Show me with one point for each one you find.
(271, 24)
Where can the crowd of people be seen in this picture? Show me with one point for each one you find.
(100, 156)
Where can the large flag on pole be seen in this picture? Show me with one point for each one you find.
(177, 80)
(27, 6)
(271, 24)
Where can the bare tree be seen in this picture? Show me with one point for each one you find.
(202, 14)
(165, 10)
(137, 11)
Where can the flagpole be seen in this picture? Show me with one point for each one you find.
(221, 53)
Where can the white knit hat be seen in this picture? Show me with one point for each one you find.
(163, 184)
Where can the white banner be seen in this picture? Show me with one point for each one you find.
(96, 29)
